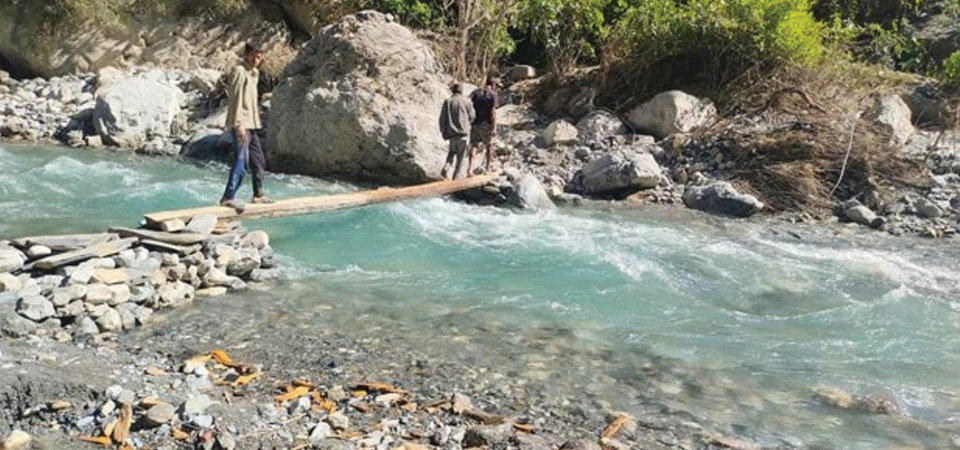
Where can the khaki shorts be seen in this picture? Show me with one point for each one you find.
(481, 133)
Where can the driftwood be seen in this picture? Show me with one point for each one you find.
(64, 243)
(306, 205)
(98, 250)
(161, 236)
(180, 249)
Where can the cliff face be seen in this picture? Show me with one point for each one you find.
(28, 48)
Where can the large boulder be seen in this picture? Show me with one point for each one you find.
(360, 102)
(672, 112)
(893, 116)
(130, 112)
(721, 198)
(599, 126)
(617, 171)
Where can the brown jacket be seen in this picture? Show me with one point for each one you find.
(244, 108)
(456, 115)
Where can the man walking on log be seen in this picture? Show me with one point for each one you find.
(485, 103)
(456, 114)
(243, 120)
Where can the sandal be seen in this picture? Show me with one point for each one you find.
(262, 199)
(232, 204)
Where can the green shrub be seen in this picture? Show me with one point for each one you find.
(950, 73)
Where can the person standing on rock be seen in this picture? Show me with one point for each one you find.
(485, 103)
(456, 115)
(243, 120)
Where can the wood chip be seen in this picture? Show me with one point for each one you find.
(221, 357)
(305, 383)
(523, 427)
(359, 394)
(178, 434)
(155, 371)
(614, 427)
(122, 431)
(148, 402)
(293, 394)
(101, 440)
(485, 417)
(362, 408)
(377, 387)
(409, 407)
(108, 428)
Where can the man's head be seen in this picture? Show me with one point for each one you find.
(492, 83)
(252, 54)
(456, 88)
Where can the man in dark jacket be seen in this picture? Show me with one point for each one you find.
(485, 103)
(456, 114)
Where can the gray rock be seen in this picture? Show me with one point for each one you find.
(10, 260)
(926, 208)
(127, 319)
(39, 251)
(321, 431)
(9, 283)
(858, 213)
(17, 440)
(264, 275)
(109, 320)
(892, 115)
(338, 421)
(197, 404)
(487, 436)
(581, 444)
(216, 277)
(119, 293)
(528, 193)
(142, 314)
(209, 144)
(72, 309)
(531, 442)
(87, 327)
(378, 125)
(35, 308)
(581, 104)
(460, 403)
(560, 132)
(721, 198)
(15, 325)
(672, 112)
(176, 294)
(521, 72)
(131, 110)
(82, 274)
(599, 126)
(256, 239)
(247, 260)
(159, 414)
(65, 295)
(202, 421)
(517, 117)
(98, 294)
(616, 171)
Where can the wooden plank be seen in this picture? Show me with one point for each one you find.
(160, 236)
(306, 205)
(63, 243)
(98, 250)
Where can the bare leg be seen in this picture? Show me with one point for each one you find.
(472, 150)
(489, 157)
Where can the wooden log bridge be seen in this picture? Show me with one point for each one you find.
(307, 205)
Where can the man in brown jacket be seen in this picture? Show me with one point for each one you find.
(243, 120)
(456, 115)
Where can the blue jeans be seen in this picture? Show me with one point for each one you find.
(249, 153)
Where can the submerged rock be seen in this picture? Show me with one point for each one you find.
(528, 193)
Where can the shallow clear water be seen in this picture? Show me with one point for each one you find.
(741, 322)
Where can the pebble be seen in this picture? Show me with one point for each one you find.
(196, 405)
(338, 421)
(321, 431)
(17, 440)
(160, 414)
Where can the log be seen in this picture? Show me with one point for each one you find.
(160, 236)
(180, 249)
(63, 243)
(306, 205)
(98, 250)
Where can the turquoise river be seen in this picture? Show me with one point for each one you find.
(752, 317)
